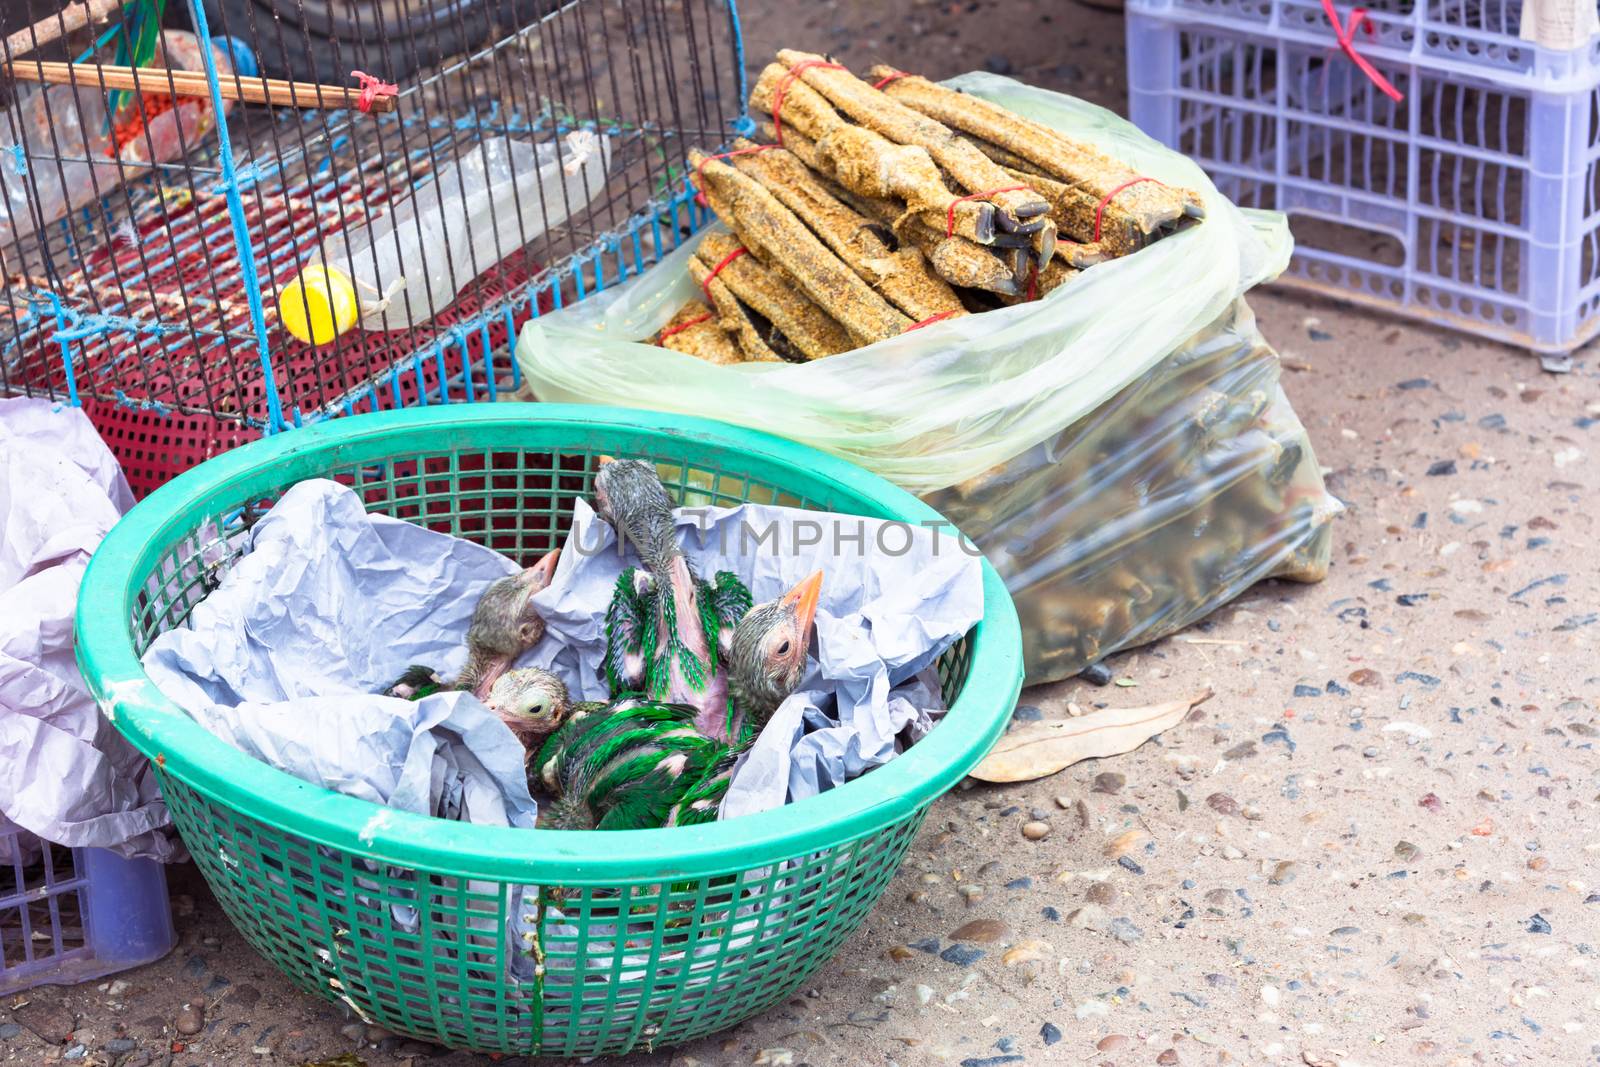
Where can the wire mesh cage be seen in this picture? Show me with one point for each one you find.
(229, 218)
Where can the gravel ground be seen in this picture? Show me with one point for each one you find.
(1375, 845)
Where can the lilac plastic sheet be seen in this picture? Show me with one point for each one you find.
(68, 777)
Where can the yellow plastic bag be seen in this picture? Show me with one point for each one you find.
(941, 410)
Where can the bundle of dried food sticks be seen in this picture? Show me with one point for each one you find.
(884, 205)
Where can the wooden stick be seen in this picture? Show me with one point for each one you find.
(73, 17)
(163, 81)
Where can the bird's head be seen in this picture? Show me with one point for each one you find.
(505, 623)
(769, 650)
(531, 701)
(629, 495)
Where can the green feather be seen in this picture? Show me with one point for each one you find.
(136, 44)
(633, 624)
(627, 623)
(699, 803)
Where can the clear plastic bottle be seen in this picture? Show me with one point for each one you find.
(408, 265)
(63, 127)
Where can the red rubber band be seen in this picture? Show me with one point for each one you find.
(1345, 35)
(669, 331)
(887, 78)
(1033, 283)
(1100, 208)
(783, 87)
(699, 171)
(372, 88)
(705, 286)
(929, 321)
(950, 222)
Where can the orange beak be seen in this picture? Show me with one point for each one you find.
(803, 598)
(601, 461)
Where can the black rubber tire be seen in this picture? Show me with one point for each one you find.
(323, 40)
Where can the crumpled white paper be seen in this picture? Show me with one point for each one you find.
(329, 605)
(286, 658)
(69, 777)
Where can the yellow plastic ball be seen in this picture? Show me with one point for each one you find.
(319, 305)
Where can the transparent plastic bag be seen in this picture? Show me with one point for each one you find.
(941, 408)
(63, 128)
(409, 264)
(1171, 498)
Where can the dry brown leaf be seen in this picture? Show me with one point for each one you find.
(1039, 749)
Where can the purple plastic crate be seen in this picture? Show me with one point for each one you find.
(71, 914)
(1473, 203)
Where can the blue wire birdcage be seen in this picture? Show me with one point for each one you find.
(159, 264)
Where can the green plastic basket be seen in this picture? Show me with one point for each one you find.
(434, 928)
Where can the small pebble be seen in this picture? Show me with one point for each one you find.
(1222, 804)
(191, 1019)
(1109, 782)
(1036, 830)
(981, 931)
(1049, 1033)
(1096, 674)
(1112, 1043)
(1100, 893)
(1123, 930)
(961, 955)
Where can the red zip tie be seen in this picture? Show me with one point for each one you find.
(929, 321)
(699, 171)
(668, 332)
(705, 286)
(372, 88)
(1100, 208)
(783, 87)
(950, 223)
(1346, 36)
(887, 78)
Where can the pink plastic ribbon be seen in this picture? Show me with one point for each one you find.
(372, 87)
(1346, 36)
